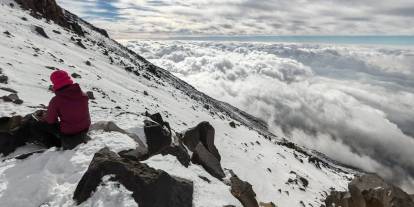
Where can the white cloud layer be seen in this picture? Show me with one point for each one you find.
(355, 104)
(143, 18)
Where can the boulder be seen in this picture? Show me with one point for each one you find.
(41, 32)
(202, 133)
(200, 140)
(369, 190)
(149, 187)
(243, 191)
(158, 138)
(232, 124)
(208, 161)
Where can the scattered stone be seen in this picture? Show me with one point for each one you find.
(4, 79)
(205, 179)
(80, 44)
(145, 93)
(74, 26)
(8, 90)
(11, 5)
(149, 187)
(90, 95)
(118, 107)
(8, 34)
(206, 106)
(41, 32)
(57, 32)
(369, 190)
(88, 63)
(51, 67)
(24, 18)
(232, 124)
(129, 68)
(146, 77)
(12, 98)
(243, 191)
(75, 75)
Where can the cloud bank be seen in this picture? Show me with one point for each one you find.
(355, 104)
(146, 18)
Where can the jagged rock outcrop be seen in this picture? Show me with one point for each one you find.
(200, 140)
(150, 187)
(370, 191)
(50, 10)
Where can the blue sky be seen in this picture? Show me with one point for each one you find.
(131, 19)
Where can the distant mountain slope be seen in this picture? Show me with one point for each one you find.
(125, 86)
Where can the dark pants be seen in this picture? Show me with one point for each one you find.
(33, 131)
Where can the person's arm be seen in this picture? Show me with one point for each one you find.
(51, 116)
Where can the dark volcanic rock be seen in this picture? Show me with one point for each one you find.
(12, 98)
(200, 140)
(232, 124)
(243, 191)
(90, 95)
(179, 152)
(80, 44)
(41, 32)
(50, 10)
(203, 133)
(8, 34)
(46, 8)
(150, 187)
(158, 138)
(75, 75)
(4, 79)
(209, 162)
(8, 90)
(370, 191)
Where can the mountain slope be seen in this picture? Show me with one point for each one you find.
(120, 79)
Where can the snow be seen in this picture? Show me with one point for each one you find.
(50, 178)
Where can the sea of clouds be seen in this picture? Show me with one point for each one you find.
(353, 103)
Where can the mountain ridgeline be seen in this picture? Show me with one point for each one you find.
(156, 141)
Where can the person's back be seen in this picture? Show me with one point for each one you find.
(70, 105)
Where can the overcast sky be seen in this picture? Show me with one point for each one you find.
(140, 18)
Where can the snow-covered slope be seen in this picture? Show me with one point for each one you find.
(50, 178)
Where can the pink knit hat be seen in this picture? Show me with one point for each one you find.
(60, 78)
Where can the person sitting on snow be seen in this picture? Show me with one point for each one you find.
(67, 117)
(65, 123)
